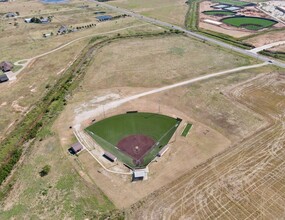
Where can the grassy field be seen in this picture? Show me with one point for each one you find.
(250, 23)
(158, 61)
(219, 13)
(186, 129)
(232, 2)
(108, 132)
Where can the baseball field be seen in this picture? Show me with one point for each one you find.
(135, 138)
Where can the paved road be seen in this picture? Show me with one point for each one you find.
(192, 34)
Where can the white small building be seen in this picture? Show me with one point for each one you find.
(28, 20)
(140, 174)
(212, 22)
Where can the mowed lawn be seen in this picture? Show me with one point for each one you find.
(233, 2)
(108, 132)
(218, 13)
(250, 23)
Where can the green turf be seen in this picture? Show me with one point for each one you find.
(108, 132)
(218, 13)
(250, 23)
(233, 2)
(186, 130)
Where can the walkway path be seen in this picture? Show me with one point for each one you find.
(25, 62)
(267, 46)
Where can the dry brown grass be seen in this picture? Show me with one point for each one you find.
(244, 182)
(156, 62)
(167, 10)
(113, 71)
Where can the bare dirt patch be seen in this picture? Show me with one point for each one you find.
(266, 38)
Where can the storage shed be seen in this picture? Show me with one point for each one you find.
(77, 147)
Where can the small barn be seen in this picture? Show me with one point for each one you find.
(4, 78)
(104, 17)
(77, 147)
(110, 156)
(6, 66)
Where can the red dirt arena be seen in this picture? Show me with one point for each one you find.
(136, 146)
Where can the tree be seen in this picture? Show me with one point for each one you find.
(45, 170)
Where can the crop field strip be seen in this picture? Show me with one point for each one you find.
(222, 205)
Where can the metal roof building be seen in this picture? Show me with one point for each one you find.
(6, 66)
(104, 17)
(162, 151)
(76, 147)
(4, 78)
(110, 156)
(140, 174)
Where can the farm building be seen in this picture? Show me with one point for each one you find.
(162, 151)
(62, 30)
(104, 17)
(110, 156)
(6, 66)
(4, 78)
(77, 147)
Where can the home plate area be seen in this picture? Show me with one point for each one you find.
(136, 146)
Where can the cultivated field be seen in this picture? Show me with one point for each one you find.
(244, 182)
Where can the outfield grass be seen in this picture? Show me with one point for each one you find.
(218, 13)
(233, 2)
(186, 130)
(110, 131)
(250, 23)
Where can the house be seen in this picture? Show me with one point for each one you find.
(6, 66)
(77, 147)
(28, 20)
(104, 17)
(11, 15)
(62, 30)
(3, 78)
(45, 20)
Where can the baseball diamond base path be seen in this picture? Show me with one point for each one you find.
(136, 146)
